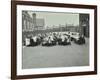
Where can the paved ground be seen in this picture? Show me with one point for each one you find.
(56, 56)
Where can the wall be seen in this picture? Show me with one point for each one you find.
(5, 40)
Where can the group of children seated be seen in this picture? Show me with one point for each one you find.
(48, 39)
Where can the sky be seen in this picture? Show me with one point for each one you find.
(57, 18)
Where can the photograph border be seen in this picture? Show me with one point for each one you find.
(14, 39)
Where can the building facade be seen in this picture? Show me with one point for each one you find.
(31, 23)
(72, 28)
(84, 24)
(27, 23)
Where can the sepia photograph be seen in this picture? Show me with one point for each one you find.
(54, 39)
